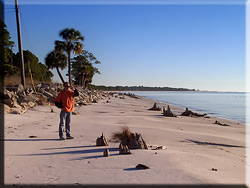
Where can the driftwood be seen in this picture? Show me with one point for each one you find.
(168, 112)
(218, 123)
(155, 108)
(101, 141)
(190, 113)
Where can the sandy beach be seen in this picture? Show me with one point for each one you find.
(197, 150)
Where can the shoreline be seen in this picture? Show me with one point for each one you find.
(182, 109)
(194, 147)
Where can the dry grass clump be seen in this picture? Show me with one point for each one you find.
(125, 133)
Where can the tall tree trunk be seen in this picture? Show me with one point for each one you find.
(60, 75)
(69, 68)
(84, 80)
(81, 79)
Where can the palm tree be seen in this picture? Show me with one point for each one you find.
(71, 42)
(57, 60)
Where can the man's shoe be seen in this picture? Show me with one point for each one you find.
(69, 137)
(62, 138)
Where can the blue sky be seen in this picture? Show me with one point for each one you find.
(189, 44)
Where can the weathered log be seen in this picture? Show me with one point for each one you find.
(168, 112)
(222, 124)
(188, 112)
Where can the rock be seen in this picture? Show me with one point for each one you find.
(106, 153)
(101, 141)
(141, 166)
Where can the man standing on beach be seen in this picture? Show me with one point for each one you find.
(65, 101)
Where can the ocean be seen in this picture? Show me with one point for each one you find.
(226, 105)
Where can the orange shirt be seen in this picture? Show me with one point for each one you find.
(67, 98)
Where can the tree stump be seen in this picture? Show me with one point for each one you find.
(123, 149)
(101, 141)
(129, 139)
(106, 153)
(135, 141)
(155, 108)
(168, 112)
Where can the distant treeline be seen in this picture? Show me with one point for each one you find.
(138, 88)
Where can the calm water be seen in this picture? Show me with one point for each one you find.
(227, 105)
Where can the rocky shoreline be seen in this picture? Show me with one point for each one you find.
(17, 100)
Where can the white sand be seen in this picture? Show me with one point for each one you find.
(194, 147)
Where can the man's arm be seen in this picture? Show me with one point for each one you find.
(76, 93)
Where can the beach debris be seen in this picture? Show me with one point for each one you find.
(123, 149)
(155, 108)
(222, 124)
(108, 101)
(18, 176)
(168, 112)
(132, 95)
(75, 113)
(18, 100)
(141, 166)
(127, 138)
(106, 153)
(156, 147)
(214, 169)
(188, 112)
(101, 141)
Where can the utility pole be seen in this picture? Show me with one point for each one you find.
(20, 45)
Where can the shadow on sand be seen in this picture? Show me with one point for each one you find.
(211, 143)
